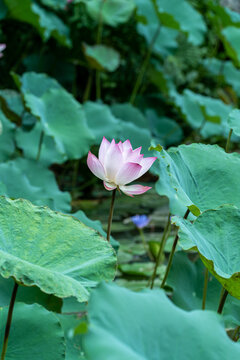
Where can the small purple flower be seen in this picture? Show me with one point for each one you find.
(2, 48)
(140, 221)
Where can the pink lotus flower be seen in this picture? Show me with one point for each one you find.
(118, 165)
(2, 48)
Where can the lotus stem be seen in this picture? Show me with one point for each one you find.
(205, 289)
(98, 85)
(87, 90)
(145, 244)
(172, 254)
(75, 175)
(100, 23)
(111, 214)
(223, 298)
(228, 140)
(9, 320)
(235, 335)
(99, 39)
(40, 145)
(161, 249)
(144, 66)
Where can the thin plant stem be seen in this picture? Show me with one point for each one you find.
(143, 239)
(40, 145)
(99, 39)
(235, 335)
(111, 214)
(87, 91)
(228, 140)
(98, 85)
(144, 66)
(145, 244)
(74, 84)
(205, 288)
(100, 23)
(75, 175)
(160, 251)
(201, 126)
(172, 254)
(223, 298)
(9, 320)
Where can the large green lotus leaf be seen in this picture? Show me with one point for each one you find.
(45, 22)
(28, 141)
(12, 105)
(63, 118)
(166, 41)
(129, 113)
(133, 126)
(179, 14)
(113, 12)
(53, 251)
(151, 327)
(138, 136)
(215, 233)
(44, 179)
(231, 41)
(167, 131)
(7, 145)
(35, 84)
(28, 122)
(223, 15)
(12, 100)
(162, 168)
(204, 113)
(36, 334)
(199, 177)
(73, 343)
(234, 121)
(226, 69)
(28, 295)
(71, 305)
(23, 178)
(101, 121)
(55, 4)
(102, 57)
(14, 183)
(186, 278)
(96, 225)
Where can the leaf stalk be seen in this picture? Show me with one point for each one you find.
(172, 254)
(9, 321)
(111, 214)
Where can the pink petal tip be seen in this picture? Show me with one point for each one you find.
(134, 189)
